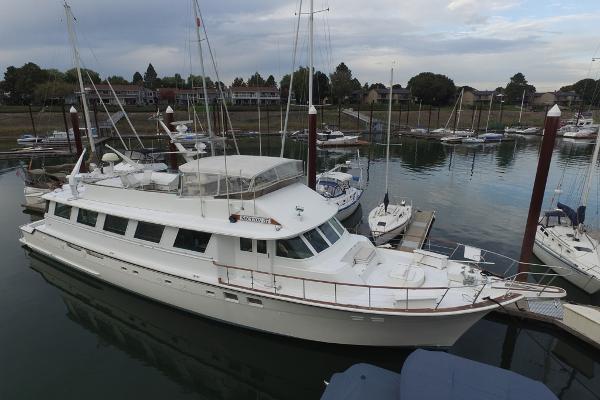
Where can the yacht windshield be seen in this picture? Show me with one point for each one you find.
(293, 248)
(337, 226)
(329, 232)
(316, 240)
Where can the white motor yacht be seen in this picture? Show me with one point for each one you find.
(241, 239)
(335, 138)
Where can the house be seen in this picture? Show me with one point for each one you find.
(561, 98)
(471, 97)
(252, 95)
(195, 95)
(378, 96)
(131, 95)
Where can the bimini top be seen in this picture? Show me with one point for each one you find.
(207, 176)
(335, 176)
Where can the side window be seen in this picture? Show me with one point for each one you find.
(192, 240)
(148, 231)
(261, 246)
(293, 248)
(47, 208)
(62, 210)
(114, 224)
(245, 244)
(329, 232)
(316, 240)
(87, 217)
(337, 226)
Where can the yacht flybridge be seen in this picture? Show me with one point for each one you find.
(241, 239)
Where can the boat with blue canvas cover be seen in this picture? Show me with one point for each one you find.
(434, 375)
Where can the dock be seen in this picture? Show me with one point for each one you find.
(417, 231)
(581, 321)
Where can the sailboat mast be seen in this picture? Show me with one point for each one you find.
(489, 112)
(86, 111)
(389, 132)
(204, 90)
(462, 92)
(312, 112)
(590, 173)
(521, 110)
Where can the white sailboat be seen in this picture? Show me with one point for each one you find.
(563, 241)
(457, 136)
(387, 221)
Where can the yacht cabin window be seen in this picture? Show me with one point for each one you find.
(148, 231)
(47, 208)
(62, 210)
(316, 240)
(261, 246)
(192, 240)
(115, 224)
(245, 244)
(87, 217)
(330, 233)
(337, 226)
(293, 248)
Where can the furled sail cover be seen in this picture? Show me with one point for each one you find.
(575, 217)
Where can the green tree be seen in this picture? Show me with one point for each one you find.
(587, 89)
(514, 89)
(20, 82)
(175, 81)
(117, 80)
(238, 82)
(71, 76)
(342, 83)
(150, 77)
(322, 88)
(53, 92)
(433, 89)
(377, 85)
(137, 79)
(271, 81)
(256, 80)
(195, 81)
(284, 86)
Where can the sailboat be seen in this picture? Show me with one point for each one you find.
(337, 185)
(386, 221)
(457, 135)
(564, 242)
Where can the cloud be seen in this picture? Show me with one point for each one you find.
(477, 42)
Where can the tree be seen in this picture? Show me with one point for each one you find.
(117, 80)
(342, 83)
(284, 86)
(150, 77)
(175, 81)
(256, 80)
(238, 82)
(516, 86)
(376, 86)
(587, 89)
(270, 82)
(138, 79)
(21, 82)
(221, 84)
(53, 90)
(322, 88)
(71, 76)
(432, 89)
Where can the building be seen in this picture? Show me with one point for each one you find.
(378, 96)
(130, 95)
(471, 97)
(561, 98)
(252, 95)
(196, 95)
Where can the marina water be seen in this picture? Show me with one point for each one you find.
(67, 336)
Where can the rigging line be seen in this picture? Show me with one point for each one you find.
(290, 86)
(106, 110)
(217, 76)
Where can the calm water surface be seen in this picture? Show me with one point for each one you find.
(66, 336)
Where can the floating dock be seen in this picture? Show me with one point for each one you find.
(581, 321)
(417, 231)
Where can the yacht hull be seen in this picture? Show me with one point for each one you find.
(559, 265)
(274, 315)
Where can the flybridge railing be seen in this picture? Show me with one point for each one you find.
(361, 296)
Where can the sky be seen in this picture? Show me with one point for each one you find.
(480, 43)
